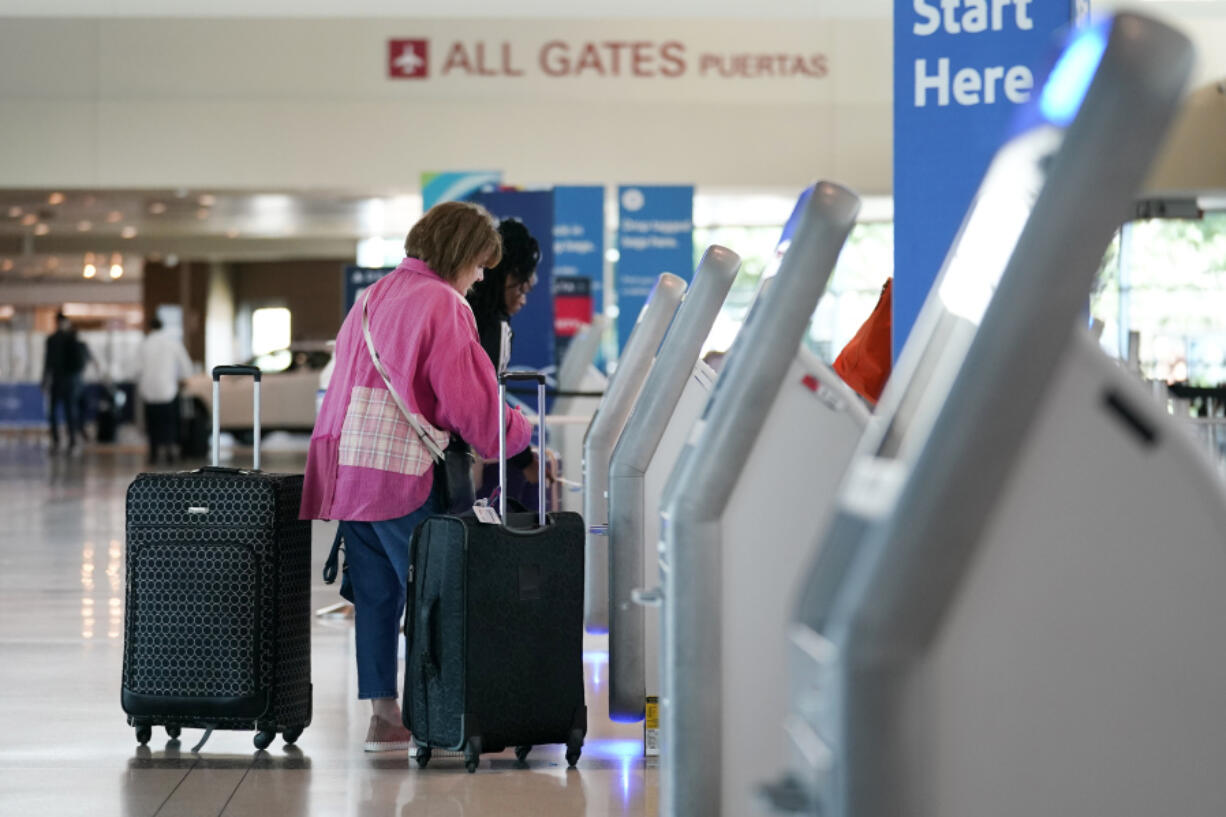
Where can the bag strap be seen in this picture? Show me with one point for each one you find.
(436, 453)
(331, 566)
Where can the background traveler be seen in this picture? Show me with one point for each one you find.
(63, 363)
(495, 299)
(164, 365)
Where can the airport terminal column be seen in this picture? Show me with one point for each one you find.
(602, 434)
(638, 443)
(693, 704)
(906, 688)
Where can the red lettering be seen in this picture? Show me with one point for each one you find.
(818, 61)
(482, 70)
(615, 49)
(590, 58)
(672, 54)
(508, 69)
(642, 60)
(553, 63)
(457, 57)
(766, 65)
(707, 63)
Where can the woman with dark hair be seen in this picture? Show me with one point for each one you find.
(504, 291)
(370, 463)
(495, 299)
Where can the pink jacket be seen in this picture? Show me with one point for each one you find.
(365, 462)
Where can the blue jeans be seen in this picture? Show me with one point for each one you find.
(377, 558)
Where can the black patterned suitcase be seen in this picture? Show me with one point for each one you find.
(494, 631)
(217, 623)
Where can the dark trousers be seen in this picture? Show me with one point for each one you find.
(65, 393)
(161, 421)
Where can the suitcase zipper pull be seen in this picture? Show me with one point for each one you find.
(411, 571)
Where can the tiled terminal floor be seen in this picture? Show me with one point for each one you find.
(66, 748)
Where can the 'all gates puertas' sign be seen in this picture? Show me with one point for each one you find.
(961, 68)
(419, 59)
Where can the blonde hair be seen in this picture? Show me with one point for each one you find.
(454, 236)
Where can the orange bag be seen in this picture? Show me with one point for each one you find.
(864, 364)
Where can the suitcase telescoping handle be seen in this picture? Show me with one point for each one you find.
(506, 377)
(240, 371)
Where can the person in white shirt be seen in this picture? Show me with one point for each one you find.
(164, 364)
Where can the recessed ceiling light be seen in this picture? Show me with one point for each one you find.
(55, 198)
(157, 208)
(232, 233)
(207, 200)
(15, 212)
(7, 264)
(114, 216)
(128, 232)
(116, 271)
(29, 219)
(42, 229)
(89, 271)
(85, 226)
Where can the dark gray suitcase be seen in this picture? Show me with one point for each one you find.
(494, 632)
(217, 624)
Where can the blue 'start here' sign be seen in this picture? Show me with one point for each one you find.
(961, 68)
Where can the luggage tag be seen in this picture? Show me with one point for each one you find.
(485, 513)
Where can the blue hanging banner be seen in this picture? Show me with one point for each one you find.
(456, 185)
(961, 68)
(357, 279)
(578, 260)
(533, 344)
(655, 234)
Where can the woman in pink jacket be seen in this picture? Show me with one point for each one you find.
(367, 466)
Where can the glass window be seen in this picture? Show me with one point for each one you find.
(1166, 280)
(270, 330)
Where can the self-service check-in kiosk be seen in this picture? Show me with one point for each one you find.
(579, 384)
(672, 400)
(602, 434)
(752, 488)
(1017, 608)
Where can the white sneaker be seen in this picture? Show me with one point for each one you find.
(386, 737)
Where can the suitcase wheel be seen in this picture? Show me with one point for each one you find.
(574, 747)
(423, 756)
(472, 754)
(291, 735)
(143, 733)
(521, 753)
(263, 738)
(173, 732)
